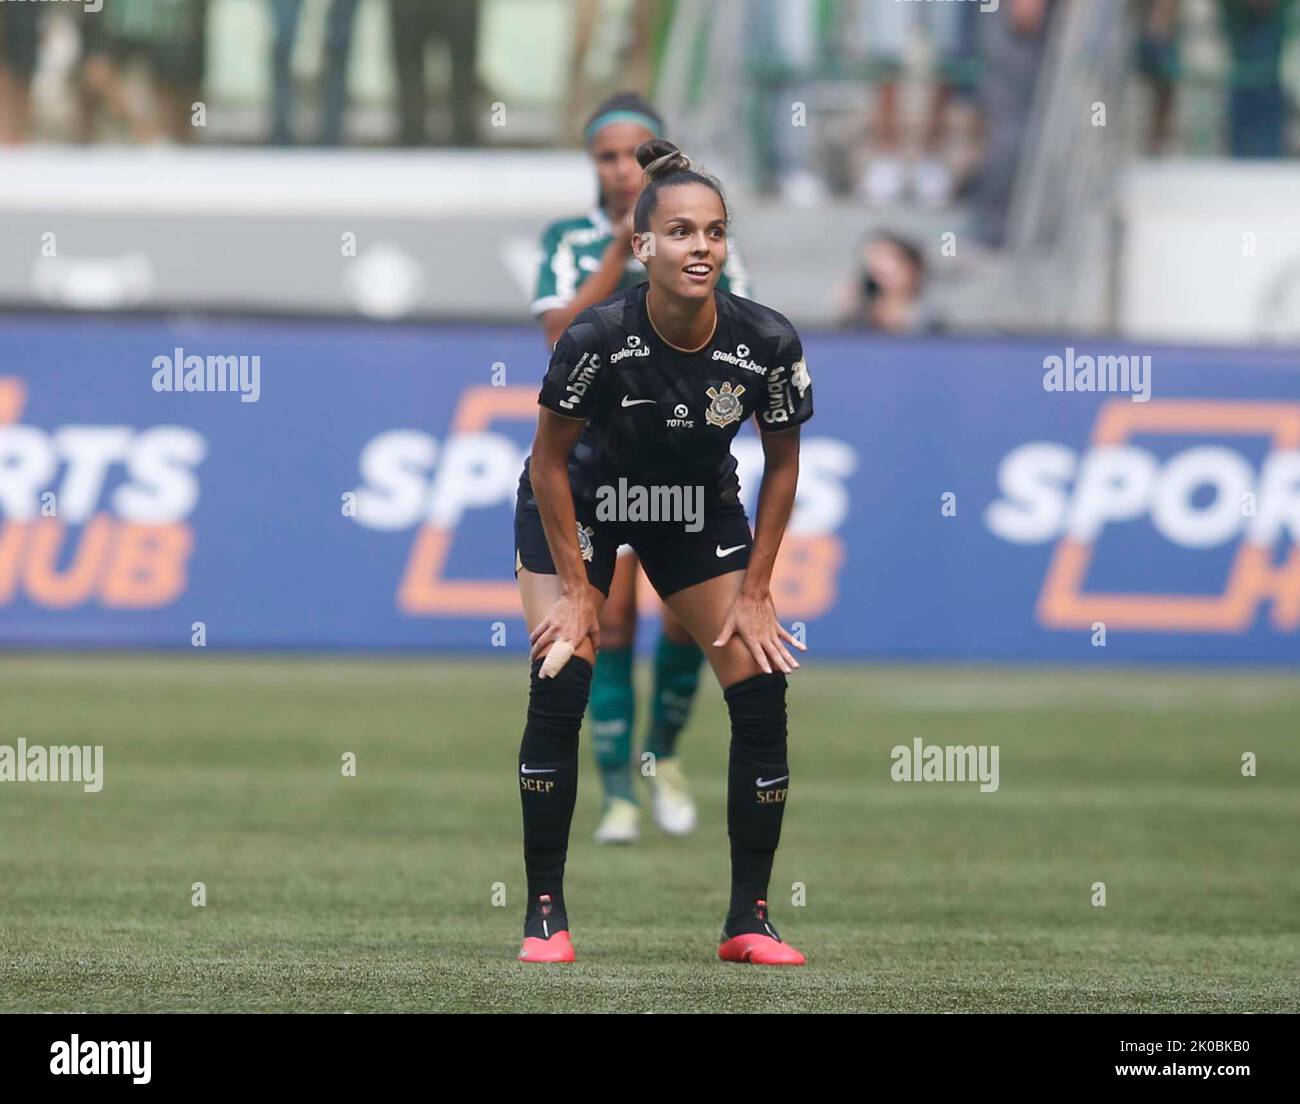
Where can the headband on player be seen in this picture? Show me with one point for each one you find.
(622, 116)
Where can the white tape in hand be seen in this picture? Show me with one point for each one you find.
(560, 654)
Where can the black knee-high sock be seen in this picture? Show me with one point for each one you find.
(548, 779)
(758, 779)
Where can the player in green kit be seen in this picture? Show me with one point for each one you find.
(585, 260)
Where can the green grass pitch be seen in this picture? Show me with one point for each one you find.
(376, 892)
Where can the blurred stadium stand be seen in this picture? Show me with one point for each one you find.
(232, 225)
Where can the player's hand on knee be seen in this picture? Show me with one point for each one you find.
(789, 638)
(568, 621)
(755, 622)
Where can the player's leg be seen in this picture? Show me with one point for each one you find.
(613, 705)
(678, 660)
(758, 772)
(548, 776)
(676, 680)
(548, 751)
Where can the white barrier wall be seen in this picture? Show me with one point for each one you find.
(1211, 252)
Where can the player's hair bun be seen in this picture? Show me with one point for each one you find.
(665, 166)
(659, 157)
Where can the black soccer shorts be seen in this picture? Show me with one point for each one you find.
(673, 557)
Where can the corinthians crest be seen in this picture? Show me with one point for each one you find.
(584, 541)
(725, 407)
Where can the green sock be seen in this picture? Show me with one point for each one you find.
(677, 677)
(612, 707)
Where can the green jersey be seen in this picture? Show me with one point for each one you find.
(572, 249)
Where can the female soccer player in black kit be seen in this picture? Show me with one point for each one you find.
(665, 372)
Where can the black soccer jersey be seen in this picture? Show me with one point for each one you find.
(659, 416)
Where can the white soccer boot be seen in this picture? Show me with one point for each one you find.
(620, 823)
(673, 807)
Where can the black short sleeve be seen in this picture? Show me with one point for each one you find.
(788, 399)
(576, 369)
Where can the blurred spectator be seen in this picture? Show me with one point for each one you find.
(962, 65)
(790, 36)
(100, 88)
(634, 68)
(168, 38)
(18, 39)
(415, 24)
(887, 291)
(338, 41)
(1256, 101)
(884, 31)
(1012, 42)
(963, 71)
(1158, 64)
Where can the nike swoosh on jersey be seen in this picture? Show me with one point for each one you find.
(719, 551)
(629, 401)
(523, 769)
(770, 781)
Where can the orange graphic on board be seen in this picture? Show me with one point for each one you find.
(1252, 578)
(125, 565)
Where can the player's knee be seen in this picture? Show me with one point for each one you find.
(615, 639)
(675, 631)
(617, 627)
(556, 705)
(758, 717)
